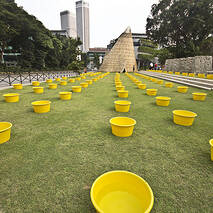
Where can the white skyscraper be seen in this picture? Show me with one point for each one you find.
(82, 23)
(68, 23)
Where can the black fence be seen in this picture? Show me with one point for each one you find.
(7, 79)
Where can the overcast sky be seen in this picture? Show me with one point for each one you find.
(108, 18)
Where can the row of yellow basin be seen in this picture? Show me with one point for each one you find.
(199, 75)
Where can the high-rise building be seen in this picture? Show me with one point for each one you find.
(82, 22)
(68, 23)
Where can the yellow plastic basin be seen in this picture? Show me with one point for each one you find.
(84, 85)
(182, 89)
(121, 192)
(5, 130)
(65, 95)
(120, 88)
(210, 76)
(160, 81)
(191, 75)
(151, 92)
(64, 78)
(94, 79)
(41, 106)
(177, 73)
(169, 84)
(35, 83)
(76, 88)
(122, 126)
(211, 144)
(201, 75)
(170, 72)
(49, 81)
(17, 86)
(72, 80)
(78, 79)
(89, 81)
(11, 97)
(38, 90)
(123, 93)
(185, 74)
(199, 96)
(63, 83)
(122, 106)
(53, 86)
(142, 86)
(57, 79)
(183, 117)
(163, 101)
(83, 77)
(118, 83)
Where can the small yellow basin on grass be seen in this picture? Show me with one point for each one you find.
(65, 95)
(151, 92)
(72, 80)
(63, 83)
(211, 144)
(122, 126)
(160, 81)
(169, 84)
(142, 86)
(210, 76)
(120, 88)
(170, 72)
(182, 89)
(177, 73)
(121, 192)
(123, 93)
(94, 79)
(49, 81)
(35, 83)
(201, 75)
(185, 74)
(191, 75)
(17, 86)
(183, 117)
(122, 106)
(57, 79)
(78, 79)
(163, 101)
(64, 78)
(11, 97)
(76, 88)
(41, 106)
(199, 96)
(53, 86)
(84, 85)
(83, 77)
(89, 81)
(38, 90)
(5, 130)
(118, 83)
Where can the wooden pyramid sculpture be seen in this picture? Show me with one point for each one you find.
(121, 58)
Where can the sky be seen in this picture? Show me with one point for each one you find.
(108, 18)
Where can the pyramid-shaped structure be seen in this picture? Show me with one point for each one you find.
(121, 56)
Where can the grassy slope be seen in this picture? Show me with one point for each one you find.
(52, 159)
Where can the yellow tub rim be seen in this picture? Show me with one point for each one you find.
(163, 98)
(11, 95)
(120, 171)
(64, 93)
(41, 103)
(211, 142)
(185, 113)
(123, 125)
(7, 128)
(122, 102)
(199, 93)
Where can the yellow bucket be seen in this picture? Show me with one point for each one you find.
(182, 89)
(183, 117)
(5, 130)
(38, 90)
(122, 106)
(78, 79)
(163, 101)
(65, 95)
(151, 92)
(84, 85)
(64, 78)
(122, 126)
(170, 72)
(17, 86)
(41, 106)
(184, 74)
(210, 76)
(53, 86)
(120, 88)
(191, 75)
(201, 75)
(89, 81)
(169, 84)
(94, 79)
(83, 77)
(63, 83)
(199, 96)
(72, 80)
(121, 192)
(142, 86)
(49, 81)
(211, 144)
(118, 83)
(160, 81)
(123, 93)
(11, 97)
(76, 88)
(57, 79)
(35, 83)
(177, 73)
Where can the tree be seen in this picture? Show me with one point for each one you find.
(76, 66)
(181, 25)
(96, 60)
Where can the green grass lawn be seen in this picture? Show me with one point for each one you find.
(52, 159)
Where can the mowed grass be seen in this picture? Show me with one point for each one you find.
(52, 159)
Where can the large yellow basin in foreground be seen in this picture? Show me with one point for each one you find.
(121, 192)
(122, 106)
(183, 117)
(5, 130)
(41, 106)
(11, 97)
(122, 126)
